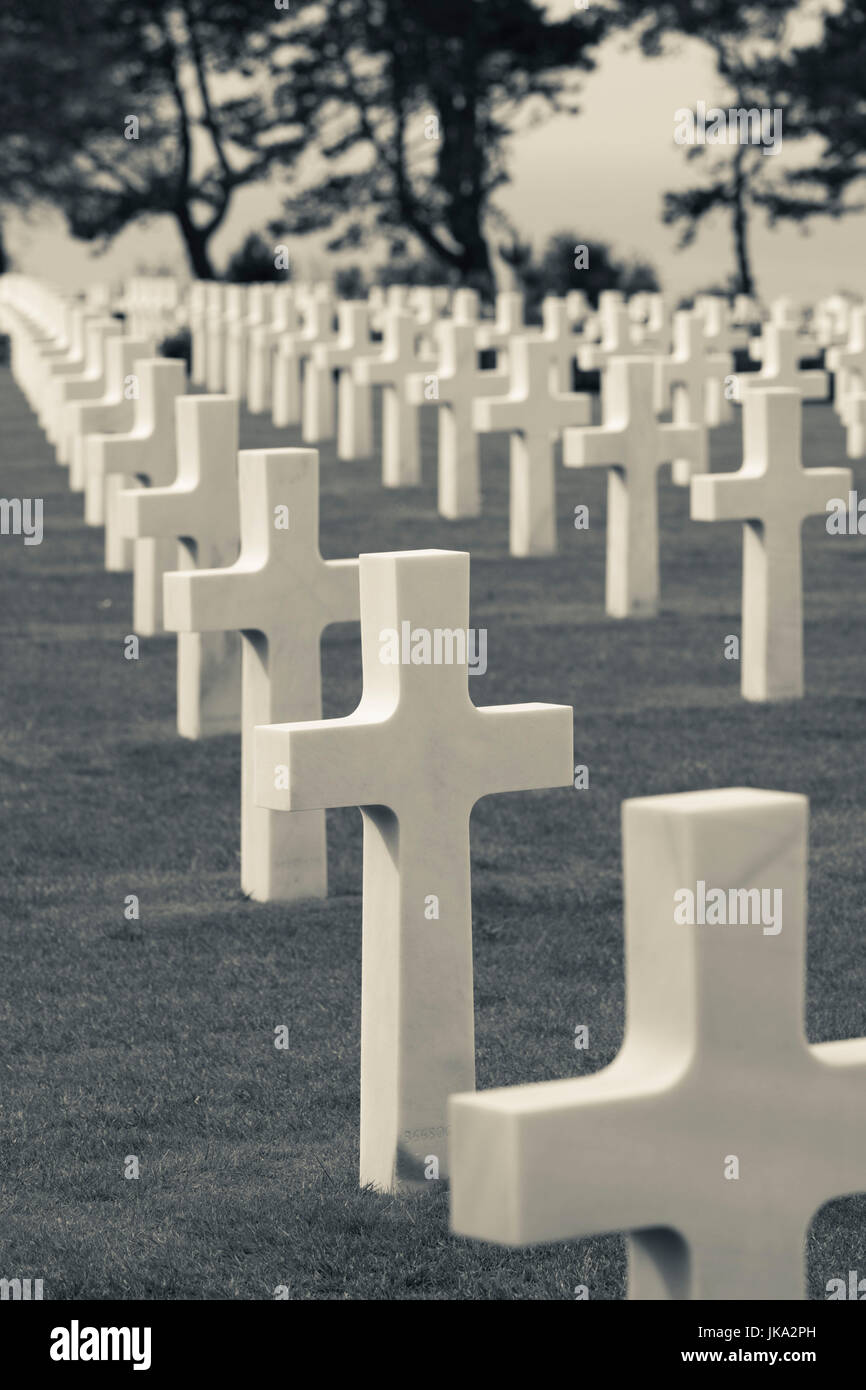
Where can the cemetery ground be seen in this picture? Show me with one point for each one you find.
(155, 1037)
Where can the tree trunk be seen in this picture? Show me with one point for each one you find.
(196, 245)
(746, 280)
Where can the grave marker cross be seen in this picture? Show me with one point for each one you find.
(714, 1066)
(415, 757)
(633, 445)
(198, 511)
(534, 413)
(772, 494)
(280, 595)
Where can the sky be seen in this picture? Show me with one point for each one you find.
(599, 175)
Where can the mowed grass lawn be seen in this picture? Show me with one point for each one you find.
(156, 1038)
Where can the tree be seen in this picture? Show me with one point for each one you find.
(744, 38)
(255, 263)
(823, 85)
(413, 104)
(570, 263)
(115, 113)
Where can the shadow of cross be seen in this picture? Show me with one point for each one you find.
(280, 595)
(772, 494)
(455, 382)
(534, 412)
(633, 445)
(115, 463)
(415, 757)
(714, 1068)
(198, 510)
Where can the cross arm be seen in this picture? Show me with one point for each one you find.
(340, 591)
(498, 413)
(556, 1160)
(322, 763)
(114, 453)
(522, 747)
(159, 512)
(416, 384)
(217, 600)
(593, 446)
(721, 497)
(375, 371)
(685, 442)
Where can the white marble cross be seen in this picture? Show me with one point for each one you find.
(86, 385)
(616, 340)
(855, 427)
(652, 329)
(256, 313)
(218, 306)
(720, 332)
(118, 462)
(280, 595)
(508, 322)
(692, 378)
(632, 445)
(197, 308)
(452, 386)
(198, 513)
(263, 340)
(718, 1131)
(849, 363)
(772, 494)
(534, 413)
(415, 757)
(401, 445)
(354, 397)
(556, 330)
(113, 412)
(293, 348)
(62, 363)
(780, 350)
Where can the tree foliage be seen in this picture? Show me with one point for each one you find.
(191, 74)
(413, 104)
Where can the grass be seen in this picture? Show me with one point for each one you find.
(155, 1038)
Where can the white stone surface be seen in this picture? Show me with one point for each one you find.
(534, 413)
(284, 318)
(144, 456)
(86, 385)
(772, 494)
(200, 511)
(714, 1065)
(112, 412)
(280, 595)
(692, 378)
(415, 756)
(398, 359)
(780, 352)
(456, 382)
(354, 397)
(632, 445)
